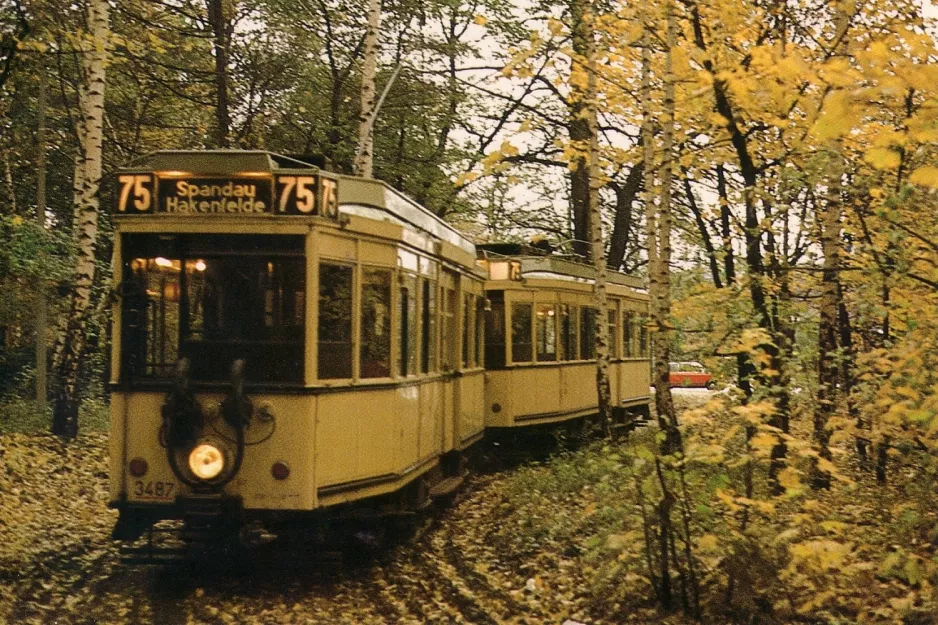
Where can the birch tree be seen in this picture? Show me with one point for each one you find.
(364, 153)
(93, 47)
(42, 384)
(585, 39)
(661, 280)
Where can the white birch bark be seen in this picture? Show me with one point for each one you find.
(42, 385)
(364, 153)
(88, 168)
(598, 251)
(8, 181)
(661, 286)
(830, 237)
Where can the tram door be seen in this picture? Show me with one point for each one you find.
(449, 355)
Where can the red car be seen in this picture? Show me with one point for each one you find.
(690, 375)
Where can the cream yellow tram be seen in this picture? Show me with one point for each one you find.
(540, 340)
(287, 340)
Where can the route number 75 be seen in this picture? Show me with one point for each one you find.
(304, 198)
(140, 186)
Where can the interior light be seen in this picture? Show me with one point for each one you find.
(206, 461)
(163, 262)
(499, 271)
(200, 265)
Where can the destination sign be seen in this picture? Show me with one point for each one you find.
(205, 196)
(144, 193)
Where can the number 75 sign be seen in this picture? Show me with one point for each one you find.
(307, 195)
(293, 193)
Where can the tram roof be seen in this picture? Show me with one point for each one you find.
(375, 199)
(553, 267)
(219, 162)
(369, 198)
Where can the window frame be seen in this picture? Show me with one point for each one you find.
(130, 349)
(392, 317)
(354, 314)
(591, 343)
(552, 306)
(511, 332)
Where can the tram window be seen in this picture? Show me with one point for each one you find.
(469, 331)
(408, 324)
(588, 333)
(375, 345)
(335, 321)
(495, 332)
(568, 332)
(154, 312)
(628, 334)
(407, 261)
(643, 342)
(480, 331)
(613, 335)
(449, 339)
(521, 333)
(214, 299)
(546, 333)
(428, 327)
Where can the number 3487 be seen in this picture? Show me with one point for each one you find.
(154, 490)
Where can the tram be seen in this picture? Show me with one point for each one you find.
(540, 341)
(288, 341)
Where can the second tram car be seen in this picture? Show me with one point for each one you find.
(288, 340)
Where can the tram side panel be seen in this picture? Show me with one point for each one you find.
(579, 387)
(634, 379)
(358, 435)
(432, 418)
(471, 394)
(536, 392)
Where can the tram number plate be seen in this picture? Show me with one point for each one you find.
(308, 195)
(154, 490)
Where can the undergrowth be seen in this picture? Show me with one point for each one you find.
(860, 552)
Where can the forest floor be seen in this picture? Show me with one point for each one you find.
(491, 557)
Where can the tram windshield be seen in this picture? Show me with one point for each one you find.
(214, 299)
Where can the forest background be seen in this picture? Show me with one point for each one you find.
(770, 167)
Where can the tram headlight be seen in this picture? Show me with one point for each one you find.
(206, 461)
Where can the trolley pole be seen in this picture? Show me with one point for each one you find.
(42, 383)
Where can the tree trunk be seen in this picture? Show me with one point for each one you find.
(598, 255)
(729, 267)
(828, 335)
(8, 180)
(579, 132)
(662, 285)
(88, 181)
(622, 226)
(221, 38)
(364, 153)
(704, 232)
(42, 323)
(828, 327)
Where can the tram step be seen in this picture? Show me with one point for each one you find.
(201, 506)
(446, 487)
(153, 555)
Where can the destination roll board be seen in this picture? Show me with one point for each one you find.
(302, 193)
